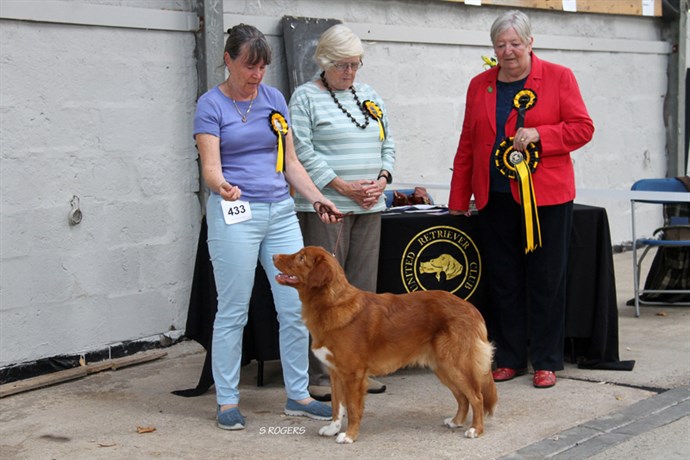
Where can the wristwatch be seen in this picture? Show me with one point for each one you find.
(386, 175)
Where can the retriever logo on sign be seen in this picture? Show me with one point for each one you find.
(441, 257)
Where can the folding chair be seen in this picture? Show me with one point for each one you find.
(663, 237)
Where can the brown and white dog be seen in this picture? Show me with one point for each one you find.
(357, 334)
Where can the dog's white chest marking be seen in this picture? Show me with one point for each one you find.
(323, 353)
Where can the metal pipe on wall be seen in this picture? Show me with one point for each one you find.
(208, 52)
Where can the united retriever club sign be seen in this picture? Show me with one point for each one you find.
(444, 258)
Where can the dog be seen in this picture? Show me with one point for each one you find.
(358, 333)
(445, 263)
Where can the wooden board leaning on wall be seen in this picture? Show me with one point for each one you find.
(627, 7)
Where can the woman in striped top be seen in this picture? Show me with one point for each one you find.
(342, 138)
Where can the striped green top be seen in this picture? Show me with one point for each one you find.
(329, 145)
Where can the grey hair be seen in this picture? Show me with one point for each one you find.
(516, 20)
(336, 43)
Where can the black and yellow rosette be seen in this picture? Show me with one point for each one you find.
(523, 101)
(508, 159)
(280, 128)
(377, 114)
(525, 98)
(520, 166)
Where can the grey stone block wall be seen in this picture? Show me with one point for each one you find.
(104, 114)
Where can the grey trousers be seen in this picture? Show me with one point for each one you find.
(355, 242)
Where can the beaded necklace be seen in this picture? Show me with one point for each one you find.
(359, 104)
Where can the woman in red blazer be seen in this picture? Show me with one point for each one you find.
(554, 123)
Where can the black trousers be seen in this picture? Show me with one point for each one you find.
(526, 292)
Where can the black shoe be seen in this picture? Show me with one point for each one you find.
(323, 392)
(375, 387)
(320, 392)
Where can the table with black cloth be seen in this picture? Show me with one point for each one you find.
(419, 249)
(591, 326)
(591, 322)
(435, 250)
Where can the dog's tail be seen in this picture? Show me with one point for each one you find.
(489, 393)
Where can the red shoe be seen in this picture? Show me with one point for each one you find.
(503, 374)
(544, 379)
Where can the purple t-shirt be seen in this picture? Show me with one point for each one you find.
(248, 151)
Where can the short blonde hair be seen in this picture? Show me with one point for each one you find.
(516, 20)
(336, 43)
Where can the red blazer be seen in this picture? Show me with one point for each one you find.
(559, 115)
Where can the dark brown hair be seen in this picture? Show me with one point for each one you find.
(258, 49)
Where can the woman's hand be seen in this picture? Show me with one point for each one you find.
(455, 212)
(524, 137)
(229, 192)
(327, 211)
(373, 190)
(364, 192)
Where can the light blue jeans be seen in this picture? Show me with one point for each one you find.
(234, 251)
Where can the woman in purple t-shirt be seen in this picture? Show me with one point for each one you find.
(248, 162)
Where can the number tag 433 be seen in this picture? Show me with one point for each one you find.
(236, 211)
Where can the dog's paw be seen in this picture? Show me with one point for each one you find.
(330, 430)
(343, 439)
(471, 433)
(450, 423)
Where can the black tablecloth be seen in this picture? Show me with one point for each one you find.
(437, 241)
(410, 241)
(591, 306)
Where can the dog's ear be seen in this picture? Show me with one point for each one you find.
(321, 272)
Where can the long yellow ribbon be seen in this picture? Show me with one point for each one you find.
(280, 161)
(382, 135)
(376, 113)
(280, 127)
(529, 207)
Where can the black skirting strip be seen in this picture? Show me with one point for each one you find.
(59, 363)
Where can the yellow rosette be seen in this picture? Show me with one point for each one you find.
(280, 128)
(520, 166)
(489, 62)
(377, 114)
(525, 99)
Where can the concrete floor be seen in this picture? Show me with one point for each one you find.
(588, 414)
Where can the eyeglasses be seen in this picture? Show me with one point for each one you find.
(342, 67)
